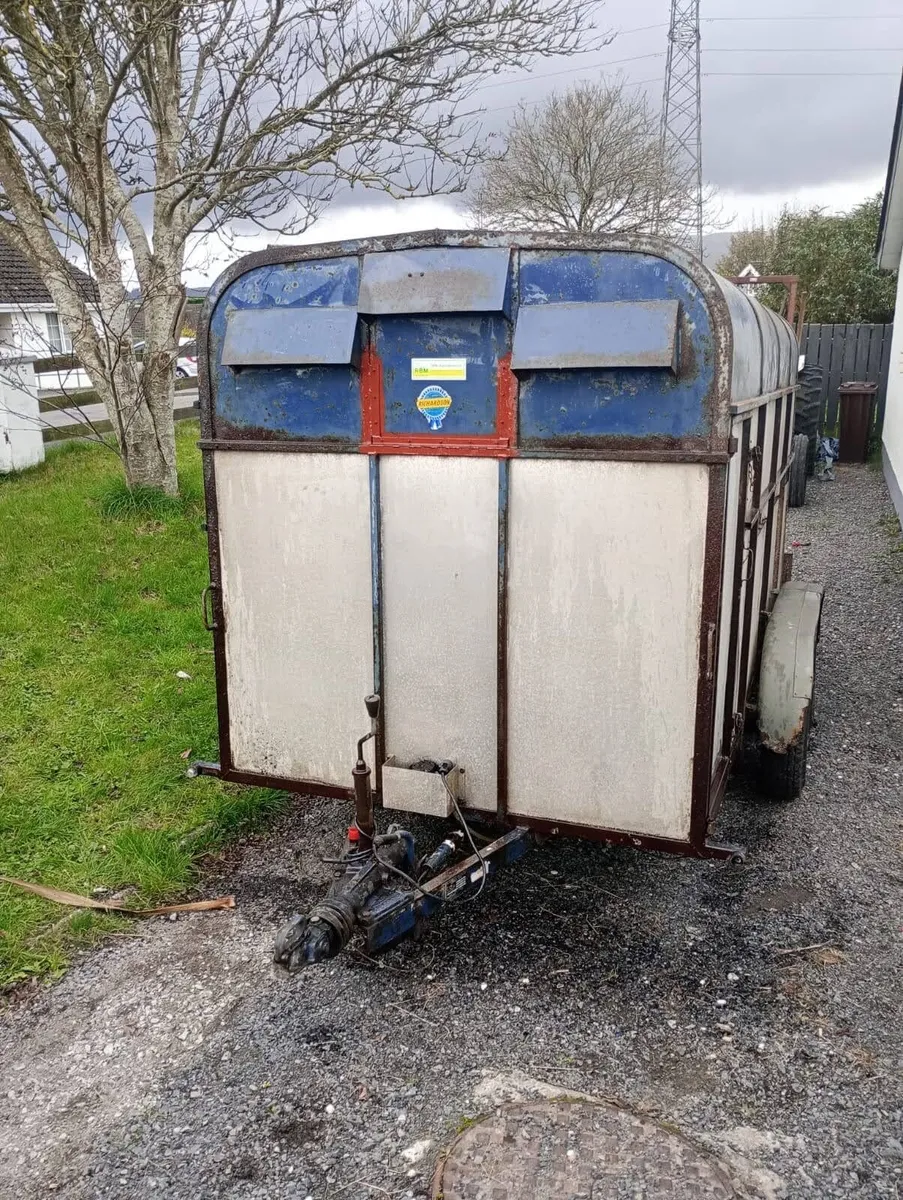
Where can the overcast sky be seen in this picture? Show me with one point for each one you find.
(793, 111)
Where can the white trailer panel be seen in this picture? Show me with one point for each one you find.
(295, 549)
(440, 577)
(605, 586)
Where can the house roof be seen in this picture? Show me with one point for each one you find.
(890, 230)
(20, 283)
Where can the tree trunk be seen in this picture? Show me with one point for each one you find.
(162, 312)
(138, 395)
(152, 461)
(150, 440)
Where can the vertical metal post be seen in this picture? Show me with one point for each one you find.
(376, 580)
(502, 659)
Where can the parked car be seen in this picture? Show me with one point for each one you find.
(186, 363)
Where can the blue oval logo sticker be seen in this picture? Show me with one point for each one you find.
(434, 402)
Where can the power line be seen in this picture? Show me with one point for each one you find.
(842, 17)
(802, 49)
(640, 29)
(619, 33)
(597, 66)
(612, 62)
(808, 74)
(633, 83)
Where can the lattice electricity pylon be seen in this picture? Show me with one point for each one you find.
(681, 130)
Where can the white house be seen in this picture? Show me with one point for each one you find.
(30, 324)
(890, 253)
(30, 328)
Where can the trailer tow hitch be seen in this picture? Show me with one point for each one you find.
(380, 888)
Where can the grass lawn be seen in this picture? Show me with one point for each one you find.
(99, 610)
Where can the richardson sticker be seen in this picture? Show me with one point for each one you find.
(438, 368)
(434, 402)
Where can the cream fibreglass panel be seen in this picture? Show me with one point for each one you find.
(440, 605)
(295, 547)
(604, 600)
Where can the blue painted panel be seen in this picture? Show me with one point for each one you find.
(262, 337)
(323, 401)
(318, 402)
(619, 333)
(604, 403)
(626, 402)
(327, 281)
(301, 402)
(441, 279)
(471, 409)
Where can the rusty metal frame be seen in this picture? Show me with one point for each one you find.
(702, 848)
(728, 733)
(741, 407)
(767, 504)
(379, 652)
(769, 508)
(749, 600)
(375, 439)
(700, 805)
(795, 311)
(714, 451)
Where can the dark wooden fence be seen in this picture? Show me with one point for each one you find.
(846, 353)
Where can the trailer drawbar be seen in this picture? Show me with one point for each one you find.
(380, 887)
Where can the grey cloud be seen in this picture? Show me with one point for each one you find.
(760, 134)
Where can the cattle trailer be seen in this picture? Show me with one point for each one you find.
(527, 493)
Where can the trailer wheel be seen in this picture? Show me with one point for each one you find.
(783, 776)
(796, 497)
(807, 410)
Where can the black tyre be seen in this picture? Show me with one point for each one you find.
(783, 776)
(797, 479)
(807, 411)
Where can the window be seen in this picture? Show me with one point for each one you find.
(55, 333)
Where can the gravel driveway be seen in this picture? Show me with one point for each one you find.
(179, 1063)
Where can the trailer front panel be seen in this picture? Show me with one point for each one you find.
(528, 489)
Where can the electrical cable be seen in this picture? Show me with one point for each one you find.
(355, 857)
(804, 74)
(802, 49)
(817, 17)
(358, 856)
(408, 879)
(483, 865)
(612, 62)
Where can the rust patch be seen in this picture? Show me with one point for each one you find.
(227, 431)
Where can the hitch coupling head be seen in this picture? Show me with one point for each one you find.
(330, 924)
(320, 935)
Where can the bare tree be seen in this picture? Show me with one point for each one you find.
(588, 159)
(127, 126)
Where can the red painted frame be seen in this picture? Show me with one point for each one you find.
(375, 440)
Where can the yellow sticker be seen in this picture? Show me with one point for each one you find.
(438, 368)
